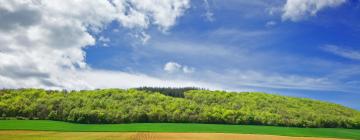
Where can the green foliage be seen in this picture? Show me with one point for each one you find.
(173, 92)
(194, 106)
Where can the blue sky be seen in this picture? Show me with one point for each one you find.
(237, 45)
(240, 41)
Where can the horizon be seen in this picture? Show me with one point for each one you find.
(307, 49)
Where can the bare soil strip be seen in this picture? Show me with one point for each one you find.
(49, 135)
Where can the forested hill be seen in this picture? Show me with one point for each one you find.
(193, 106)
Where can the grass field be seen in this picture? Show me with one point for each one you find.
(42, 125)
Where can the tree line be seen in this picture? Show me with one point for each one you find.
(181, 106)
(169, 91)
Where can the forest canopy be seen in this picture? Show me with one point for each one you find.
(188, 105)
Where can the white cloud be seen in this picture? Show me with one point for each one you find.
(159, 12)
(173, 67)
(298, 9)
(42, 41)
(346, 53)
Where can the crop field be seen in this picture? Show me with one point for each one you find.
(72, 128)
(50, 135)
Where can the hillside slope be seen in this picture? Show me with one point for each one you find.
(195, 106)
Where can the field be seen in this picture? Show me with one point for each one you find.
(49, 135)
(69, 128)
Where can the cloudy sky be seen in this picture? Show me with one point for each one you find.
(302, 48)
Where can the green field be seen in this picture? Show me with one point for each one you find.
(42, 125)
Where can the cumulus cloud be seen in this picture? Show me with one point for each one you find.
(42, 41)
(298, 9)
(173, 67)
(159, 12)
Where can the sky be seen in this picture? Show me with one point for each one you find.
(301, 48)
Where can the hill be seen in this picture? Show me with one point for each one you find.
(194, 106)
